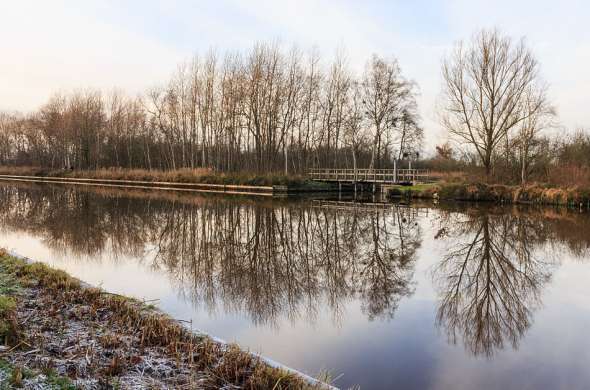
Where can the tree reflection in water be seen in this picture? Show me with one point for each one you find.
(269, 259)
(491, 278)
(274, 260)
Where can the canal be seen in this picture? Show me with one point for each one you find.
(421, 296)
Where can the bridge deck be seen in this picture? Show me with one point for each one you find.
(377, 176)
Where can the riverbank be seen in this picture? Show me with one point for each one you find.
(199, 179)
(59, 332)
(530, 194)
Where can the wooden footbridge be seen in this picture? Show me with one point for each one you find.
(370, 176)
(375, 179)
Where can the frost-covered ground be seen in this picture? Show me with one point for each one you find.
(61, 333)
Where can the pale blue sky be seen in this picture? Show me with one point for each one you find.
(61, 45)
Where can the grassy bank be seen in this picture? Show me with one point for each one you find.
(534, 193)
(199, 175)
(59, 332)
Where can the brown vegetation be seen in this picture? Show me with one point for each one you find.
(478, 191)
(185, 175)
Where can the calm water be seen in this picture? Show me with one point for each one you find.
(451, 297)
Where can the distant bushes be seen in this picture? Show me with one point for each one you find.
(562, 162)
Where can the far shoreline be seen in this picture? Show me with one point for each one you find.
(280, 185)
(187, 180)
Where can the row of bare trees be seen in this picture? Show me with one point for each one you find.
(262, 110)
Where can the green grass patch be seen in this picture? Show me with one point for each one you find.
(8, 282)
(57, 381)
(9, 287)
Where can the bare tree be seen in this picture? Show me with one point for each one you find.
(354, 134)
(337, 91)
(539, 115)
(409, 136)
(485, 85)
(386, 93)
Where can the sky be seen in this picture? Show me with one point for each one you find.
(62, 45)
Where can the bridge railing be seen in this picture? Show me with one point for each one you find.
(370, 175)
